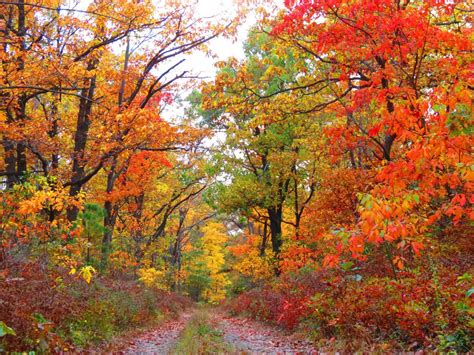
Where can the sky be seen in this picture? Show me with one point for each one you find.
(222, 47)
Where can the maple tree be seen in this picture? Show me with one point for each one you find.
(387, 70)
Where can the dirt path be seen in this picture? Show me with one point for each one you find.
(161, 339)
(251, 337)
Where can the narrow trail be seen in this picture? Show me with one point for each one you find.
(160, 340)
(244, 335)
(252, 337)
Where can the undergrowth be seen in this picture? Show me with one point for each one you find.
(54, 312)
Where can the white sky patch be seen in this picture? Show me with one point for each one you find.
(198, 62)
(221, 48)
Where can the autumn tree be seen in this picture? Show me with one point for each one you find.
(206, 276)
(266, 153)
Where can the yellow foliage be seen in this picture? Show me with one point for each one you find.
(213, 246)
(216, 290)
(43, 195)
(152, 278)
(255, 266)
(86, 273)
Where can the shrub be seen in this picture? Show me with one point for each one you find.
(416, 310)
(31, 303)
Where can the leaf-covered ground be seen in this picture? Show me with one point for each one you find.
(250, 336)
(161, 339)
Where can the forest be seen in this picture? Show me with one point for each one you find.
(313, 195)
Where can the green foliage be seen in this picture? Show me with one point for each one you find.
(96, 324)
(459, 341)
(204, 118)
(92, 219)
(6, 330)
(205, 277)
(198, 278)
(113, 311)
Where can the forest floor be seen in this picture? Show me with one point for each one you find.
(212, 330)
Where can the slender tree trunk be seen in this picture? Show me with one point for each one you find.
(389, 137)
(110, 217)
(80, 138)
(176, 252)
(10, 163)
(21, 160)
(387, 144)
(138, 235)
(20, 148)
(52, 133)
(297, 210)
(111, 211)
(178, 283)
(15, 154)
(250, 226)
(263, 246)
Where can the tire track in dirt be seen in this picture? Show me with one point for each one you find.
(160, 340)
(252, 337)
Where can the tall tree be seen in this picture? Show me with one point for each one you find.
(266, 152)
(394, 74)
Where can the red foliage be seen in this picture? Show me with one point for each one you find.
(29, 293)
(337, 304)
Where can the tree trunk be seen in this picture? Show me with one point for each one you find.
(275, 216)
(176, 250)
(138, 235)
(10, 163)
(389, 137)
(21, 114)
(80, 138)
(52, 133)
(111, 211)
(15, 155)
(263, 246)
(110, 217)
(21, 161)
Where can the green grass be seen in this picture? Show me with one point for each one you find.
(199, 337)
